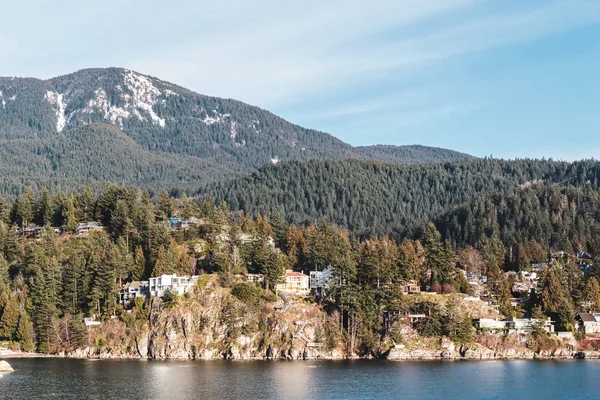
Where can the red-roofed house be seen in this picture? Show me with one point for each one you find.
(295, 283)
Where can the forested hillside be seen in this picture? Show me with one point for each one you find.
(373, 197)
(178, 139)
(558, 218)
(96, 154)
(49, 282)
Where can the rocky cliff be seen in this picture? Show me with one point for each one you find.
(213, 324)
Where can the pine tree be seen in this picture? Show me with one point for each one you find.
(162, 265)
(25, 208)
(25, 333)
(592, 294)
(10, 319)
(165, 206)
(45, 211)
(139, 264)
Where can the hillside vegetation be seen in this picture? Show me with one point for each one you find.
(380, 198)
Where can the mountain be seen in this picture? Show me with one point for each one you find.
(167, 124)
(371, 197)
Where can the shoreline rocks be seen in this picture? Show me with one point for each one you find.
(5, 367)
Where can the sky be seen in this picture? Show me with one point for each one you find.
(506, 78)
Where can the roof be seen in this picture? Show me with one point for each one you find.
(294, 273)
(587, 317)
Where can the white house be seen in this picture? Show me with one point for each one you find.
(294, 283)
(88, 226)
(319, 280)
(132, 290)
(512, 324)
(176, 284)
(588, 323)
(255, 278)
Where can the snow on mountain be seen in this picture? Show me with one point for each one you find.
(56, 100)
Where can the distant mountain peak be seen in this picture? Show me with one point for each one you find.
(228, 136)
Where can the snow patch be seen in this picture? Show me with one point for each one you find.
(144, 96)
(138, 95)
(114, 114)
(256, 126)
(56, 100)
(217, 118)
(234, 133)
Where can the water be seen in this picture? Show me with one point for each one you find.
(116, 379)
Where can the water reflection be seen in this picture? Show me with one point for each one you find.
(84, 379)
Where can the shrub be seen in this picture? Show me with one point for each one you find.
(247, 293)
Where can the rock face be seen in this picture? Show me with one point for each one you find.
(212, 324)
(5, 367)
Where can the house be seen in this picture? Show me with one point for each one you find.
(132, 290)
(539, 267)
(89, 322)
(588, 323)
(176, 284)
(33, 232)
(527, 324)
(411, 287)
(255, 278)
(183, 223)
(390, 317)
(583, 254)
(520, 325)
(491, 324)
(294, 283)
(529, 276)
(88, 226)
(584, 267)
(522, 287)
(319, 280)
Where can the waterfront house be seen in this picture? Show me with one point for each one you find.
(491, 324)
(294, 283)
(88, 226)
(511, 324)
(588, 323)
(132, 290)
(178, 285)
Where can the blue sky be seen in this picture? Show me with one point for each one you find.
(508, 78)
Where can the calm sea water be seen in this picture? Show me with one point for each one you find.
(108, 379)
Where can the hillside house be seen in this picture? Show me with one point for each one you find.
(296, 283)
(88, 226)
(320, 280)
(133, 290)
(588, 323)
(176, 284)
(182, 223)
(539, 267)
(34, 232)
(260, 278)
(411, 287)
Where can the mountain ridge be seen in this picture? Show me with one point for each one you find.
(229, 137)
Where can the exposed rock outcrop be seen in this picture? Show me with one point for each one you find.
(5, 367)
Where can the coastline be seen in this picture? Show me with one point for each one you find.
(404, 356)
